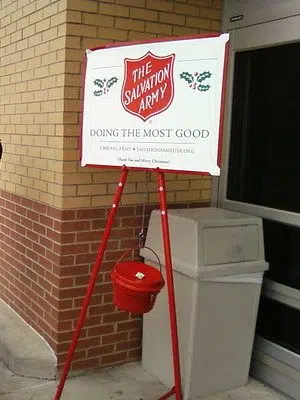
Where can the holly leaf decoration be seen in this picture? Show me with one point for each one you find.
(203, 88)
(111, 82)
(104, 85)
(98, 92)
(187, 77)
(99, 82)
(204, 75)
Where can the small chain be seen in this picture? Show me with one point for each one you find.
(142, 236)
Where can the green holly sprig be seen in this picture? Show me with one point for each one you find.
(194, 80)
(104, 85)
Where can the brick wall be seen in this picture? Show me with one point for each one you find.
(32, 42)
(45, 261)
(94, 23)
(52, 211)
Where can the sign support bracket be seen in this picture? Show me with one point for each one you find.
(177, 391)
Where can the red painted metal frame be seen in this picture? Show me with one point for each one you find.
(92, 281)
(170, 285)
(177, 391)
(167, 39)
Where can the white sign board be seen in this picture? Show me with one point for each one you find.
(155, 105)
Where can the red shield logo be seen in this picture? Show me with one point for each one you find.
(148, 87)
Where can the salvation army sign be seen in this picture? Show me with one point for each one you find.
(155, 105)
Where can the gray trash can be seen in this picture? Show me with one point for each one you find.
(218, 263)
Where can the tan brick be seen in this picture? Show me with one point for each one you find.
(50, 10)
(129, 188)
(22, 23)
(22, 44)
(73, 67)
(20, 190)
(28, 31)
(68, 190)
(71, 93)
(112, 33)
(83, 5)
(75, 202)
(200, 23)
(148, 15)
(210, 13)
(57, 44)
(9, 186)
(40, 163)
(153, 197)
(73, 42)
(88, 43)
(58, 19)
(47, 176)
(206, 194)
(174, 19)
(33, 194)
(158, 28)
(53, 188)
(131, 3)
(98, 20)
(81, 30)
(35, 17)
(14, 37)
(201, 184)
(161, 5)
(34, 63)
(113, 9)
(34, 173)
(141, 35)
(29, 9)
(130, 24)
(79, 178)
(46, 198)
(205, 3)
(21, 170)
(72, 80)
(50, 34)
(28, 53)
(74, 55)
(183, 31)
(43, 25)
(11, 28)
(41, 141)
(41, 72)
(27, 181)
(34, 40)
(186, 9)
(91, 190)
(216, 26)
(39, 185)
(74, 16)
(188, 195)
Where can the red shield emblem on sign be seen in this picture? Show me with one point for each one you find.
(148, 87)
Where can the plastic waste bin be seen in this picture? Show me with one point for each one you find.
(218, 263)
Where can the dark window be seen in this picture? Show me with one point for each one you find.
(282, 249)
(279, 323)
(264, 162)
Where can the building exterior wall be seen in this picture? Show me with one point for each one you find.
(53, 211)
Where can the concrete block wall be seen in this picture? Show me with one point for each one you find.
(52, 210)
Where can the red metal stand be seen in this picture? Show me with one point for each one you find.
(170, 285)
(93, 278)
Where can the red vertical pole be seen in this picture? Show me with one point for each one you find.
(93, 279)
(170, 285)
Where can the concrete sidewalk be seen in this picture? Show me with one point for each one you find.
(129, 382)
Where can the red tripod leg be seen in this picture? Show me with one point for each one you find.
(93, 278)
(170, 285)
